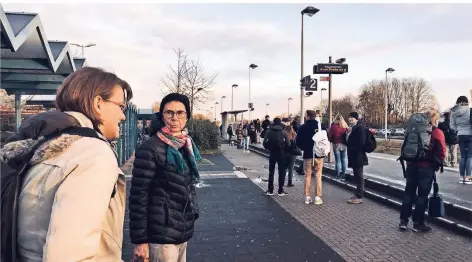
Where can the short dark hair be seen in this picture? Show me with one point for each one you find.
(311, 114)
(277, 121)
(179, 98)
(462, 100)
(80, 88)
(447, 115)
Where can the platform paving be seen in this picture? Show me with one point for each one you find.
(366, 232)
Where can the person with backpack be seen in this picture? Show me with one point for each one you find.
(337, 136)
(276, 141)
(71, 191)
(461, 121)
(451, 140)
(310, 161)
(424, 150)
(356, 155)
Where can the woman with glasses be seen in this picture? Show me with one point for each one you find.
(162, 199)
(71, 205)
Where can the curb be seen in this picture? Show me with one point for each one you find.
(387, 196)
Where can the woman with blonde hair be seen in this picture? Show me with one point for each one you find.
(291, 153)
(337, 136)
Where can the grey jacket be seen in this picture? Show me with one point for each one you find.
(460, 120)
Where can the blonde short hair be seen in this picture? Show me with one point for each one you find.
(433, 115)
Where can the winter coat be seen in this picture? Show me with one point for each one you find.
(356, 155)
(162, 203)
(460, 120)
(266, 124)
(449, 134)
(276, 140)
(305, 137)
(337, 134)
(67, 210)
(295, 126)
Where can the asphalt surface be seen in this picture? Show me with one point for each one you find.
(239, 223)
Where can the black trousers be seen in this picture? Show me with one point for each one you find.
(276, 158)
(418, 179)
(359, 180)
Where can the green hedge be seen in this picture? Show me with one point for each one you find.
(204, 133)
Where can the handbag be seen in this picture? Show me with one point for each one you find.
(436, 204)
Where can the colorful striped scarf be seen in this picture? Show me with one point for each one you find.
(175, 158)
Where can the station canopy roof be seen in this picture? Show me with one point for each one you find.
(31, 64)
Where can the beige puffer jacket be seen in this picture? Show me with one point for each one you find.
(66, 212)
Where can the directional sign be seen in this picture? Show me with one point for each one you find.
(330, 69)
(324, 78)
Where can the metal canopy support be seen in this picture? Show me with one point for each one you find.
(17, 111)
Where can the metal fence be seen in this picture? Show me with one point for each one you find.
(128, 141)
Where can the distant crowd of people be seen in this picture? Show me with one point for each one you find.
(350, 142)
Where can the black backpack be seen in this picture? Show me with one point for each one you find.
(370, 143)
(274, 141)
(12, 177)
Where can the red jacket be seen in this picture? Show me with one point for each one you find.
(337, 134)
(437, 147)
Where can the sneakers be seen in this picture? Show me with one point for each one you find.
(318, 200)
(355, 200)
(468, 181)
(403, 226)
(282, 193)
(308, 200)
(269, 193)
(421, 228)
(290, 185)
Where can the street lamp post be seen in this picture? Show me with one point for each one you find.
(83, 47)
(232, 96)
(389, 70)
(223, 97)
(310, 11)
(267, 105)
(216, 103)
(288, 102)
(251, 66)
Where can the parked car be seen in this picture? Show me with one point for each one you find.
(399, 132)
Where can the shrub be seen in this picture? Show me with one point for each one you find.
(204, 133)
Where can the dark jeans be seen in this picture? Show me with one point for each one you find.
(289, 163)
(417, 179)
(465, 163)
(279, 159)
(359, 180)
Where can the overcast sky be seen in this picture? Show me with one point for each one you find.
(135, 41)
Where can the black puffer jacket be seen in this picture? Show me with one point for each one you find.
(162, 202)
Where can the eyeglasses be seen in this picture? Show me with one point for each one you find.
(122, 107)
(170, 114)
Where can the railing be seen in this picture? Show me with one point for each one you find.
(128, 141)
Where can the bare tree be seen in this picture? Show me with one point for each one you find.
(344, 105)
(197, 85)
(188, 78)
(173, 82)
(406, 96)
